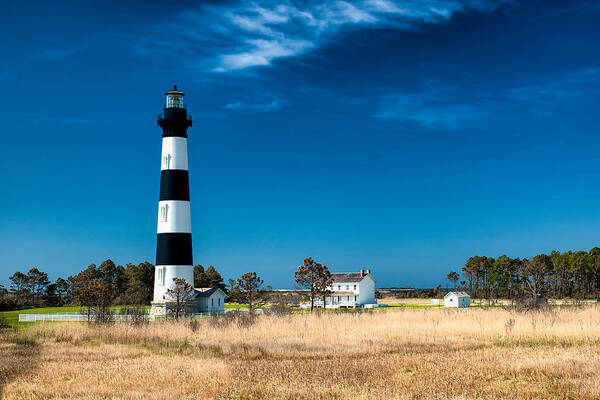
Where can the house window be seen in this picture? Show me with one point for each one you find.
(347, 287)
(355, 298)
(166, 161)
(164, 209)
(219, 301)
(161, 276)
(354, 287)
(212, 302)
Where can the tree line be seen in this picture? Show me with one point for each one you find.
(572, 274)
(97, 285)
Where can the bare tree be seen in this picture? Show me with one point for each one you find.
(180, 295)
(533, 273)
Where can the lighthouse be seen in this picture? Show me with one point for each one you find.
(174, 229)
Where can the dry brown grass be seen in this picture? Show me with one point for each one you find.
(408, 354)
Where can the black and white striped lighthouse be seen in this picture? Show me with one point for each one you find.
(174, 231)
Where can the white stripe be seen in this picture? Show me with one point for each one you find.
(163, 278)
(174, 217)
(174, 153)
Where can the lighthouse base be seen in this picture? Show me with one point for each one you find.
(166, 309)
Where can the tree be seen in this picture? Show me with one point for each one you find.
(180, 293)
(315, 278)
(533, 273)
(453, 277)
(208, 277)
(63, 288)
(19, 282)
(51, 297)
(234, 294)
(200, 279)
(37, 281)
(248, 289)
(214, 278)
(140, 283)
(323, 283)
(97, 296)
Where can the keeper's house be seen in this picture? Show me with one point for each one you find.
(457, 299)
(350, 289)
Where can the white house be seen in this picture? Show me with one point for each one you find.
(350, 289)
(209, 300)
(457, 299)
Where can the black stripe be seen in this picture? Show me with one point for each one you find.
(174, 185)
(174, 249)
(174, 122)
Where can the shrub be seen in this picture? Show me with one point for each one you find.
(8, 304)
(4, 322)
(138, 315)
(240, 318)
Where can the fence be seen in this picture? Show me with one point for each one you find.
(67, 316)
(83, 317)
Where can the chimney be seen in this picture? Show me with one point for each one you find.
(368, 271)
(214, 283)
(362, 273)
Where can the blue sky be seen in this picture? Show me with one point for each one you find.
(403, 136)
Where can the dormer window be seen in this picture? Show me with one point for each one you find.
(164, 209)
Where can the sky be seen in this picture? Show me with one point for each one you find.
(402, 136)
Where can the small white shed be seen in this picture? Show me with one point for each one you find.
(457, 299)
(210, 300)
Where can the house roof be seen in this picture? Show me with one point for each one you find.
(347, 277)
(457, 294)
(206, 291)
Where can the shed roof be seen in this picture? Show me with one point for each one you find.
(457, 294)
(206, 291)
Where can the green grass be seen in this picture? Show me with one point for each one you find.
(12, 317)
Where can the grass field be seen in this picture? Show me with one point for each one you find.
(12, 317)
(407, 354)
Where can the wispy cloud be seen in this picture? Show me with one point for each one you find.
(240, 35)
(56, 53)
(256, 107)
(433, 107)
(439, 106)
(558, 90)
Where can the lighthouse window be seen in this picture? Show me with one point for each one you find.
(161, 276)
(163, 213)
(166, 163)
